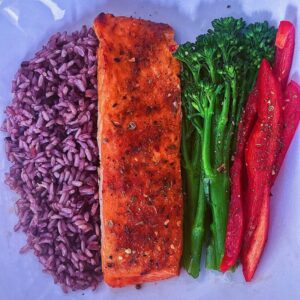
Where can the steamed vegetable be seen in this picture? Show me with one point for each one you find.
(260, 156)
(291, 118)
(265, 132)
(253, 248)
(219, 71)
(238, 177)
(285, 44)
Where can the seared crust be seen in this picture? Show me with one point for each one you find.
(139, 142)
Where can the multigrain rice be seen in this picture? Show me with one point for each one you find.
(51, 143)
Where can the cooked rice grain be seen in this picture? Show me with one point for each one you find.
(51, 143)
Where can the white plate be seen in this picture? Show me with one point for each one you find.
(24, 27)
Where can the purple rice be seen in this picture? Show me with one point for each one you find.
(51, 130)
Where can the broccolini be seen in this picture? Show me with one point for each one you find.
(219, 70)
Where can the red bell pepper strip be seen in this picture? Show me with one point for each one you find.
(285, 40)
(235, 224)
(291, 118)
(260, 155)
(285, 44)
(257, 243)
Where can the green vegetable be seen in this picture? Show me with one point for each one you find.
(219, 70)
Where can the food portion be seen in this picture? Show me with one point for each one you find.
(235, 222)
(227, 158)
(275, 116)
(51, 129)
(76, 159)
(139, 142)
(219, 70)
(261, 151)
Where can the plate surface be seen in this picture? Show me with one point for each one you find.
(24, 27)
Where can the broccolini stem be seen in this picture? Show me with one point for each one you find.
(219, 192)
(188, 183)
(212, 71)
(189, 214)
(197, 233)
(221, 126)
(206, 148)
(234, 101)
(243, 98)
(194, 211)
(196, 162)
(184, 143)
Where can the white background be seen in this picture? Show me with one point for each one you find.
(24, 26)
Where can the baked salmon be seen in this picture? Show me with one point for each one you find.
(139, 142)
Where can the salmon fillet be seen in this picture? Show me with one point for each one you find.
(139, 142)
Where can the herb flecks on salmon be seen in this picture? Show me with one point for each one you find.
(139, 141)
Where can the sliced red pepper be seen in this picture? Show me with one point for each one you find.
(291, 118)
(285, 40)
(285, 44)
(257, 243)
(235, 223)
(260, 155)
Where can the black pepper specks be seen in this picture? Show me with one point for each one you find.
(131, 126)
